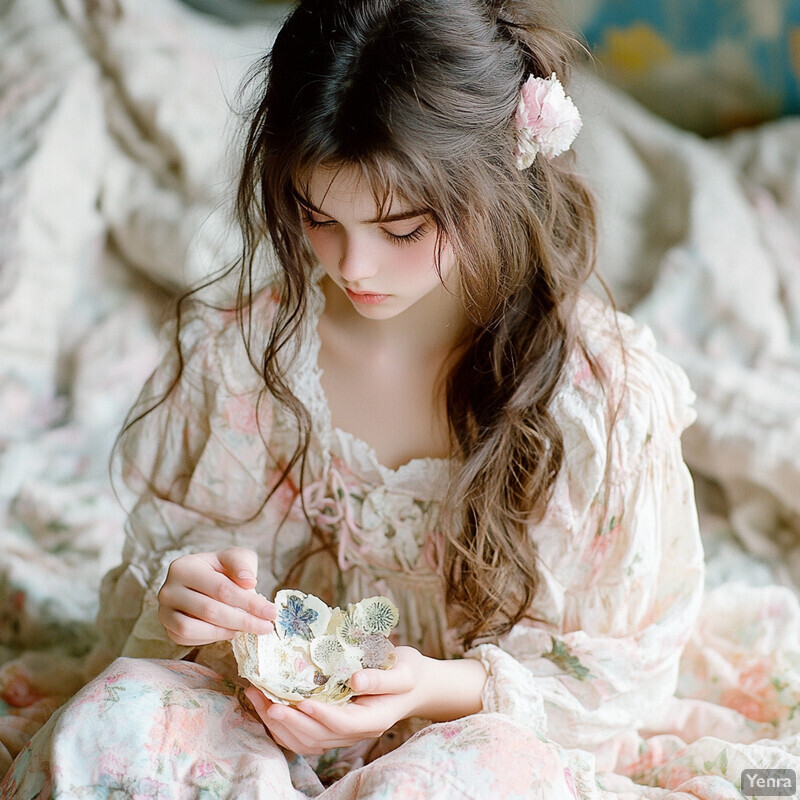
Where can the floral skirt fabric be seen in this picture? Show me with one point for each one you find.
(172, 729)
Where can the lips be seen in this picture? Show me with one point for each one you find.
(366, 297)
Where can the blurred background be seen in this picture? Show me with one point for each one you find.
(706, 65)
(709, 66)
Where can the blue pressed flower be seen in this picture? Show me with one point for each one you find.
(295, 619)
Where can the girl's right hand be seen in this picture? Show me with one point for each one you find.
(210, 597)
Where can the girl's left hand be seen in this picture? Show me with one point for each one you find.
(384, 697)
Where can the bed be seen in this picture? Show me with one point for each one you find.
(118, 131)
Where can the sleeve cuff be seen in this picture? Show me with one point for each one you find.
(510, 688)
(128, 618)
(148, 639)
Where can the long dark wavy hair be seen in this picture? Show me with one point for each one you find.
(420, 95)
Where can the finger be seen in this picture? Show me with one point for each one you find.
(333, 718)
(291, 722)
(190, 632)
(397, 680)
(299, 733)
(288, 739)
(315, 733)
(216, 613)
(363, 718)
(218, 586)
(303, 727)
(240, 565)
(260, 702)
(317, 727)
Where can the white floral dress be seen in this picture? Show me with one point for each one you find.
(580, 705)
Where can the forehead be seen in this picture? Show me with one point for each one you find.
(354, 186)
(343, 183)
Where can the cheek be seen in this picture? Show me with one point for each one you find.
(427, 262)
(322, 243)
(419, 260)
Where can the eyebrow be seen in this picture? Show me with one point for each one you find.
(399, 217)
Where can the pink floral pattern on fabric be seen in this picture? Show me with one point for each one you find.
(185, 731)
(583, 703)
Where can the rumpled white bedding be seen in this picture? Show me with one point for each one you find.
(117, 155)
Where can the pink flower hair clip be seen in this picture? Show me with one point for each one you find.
(546, 120)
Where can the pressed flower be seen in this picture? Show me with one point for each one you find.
(314, 650)
(378, 652)
(376, 615)
(348, 630)
(300, 614)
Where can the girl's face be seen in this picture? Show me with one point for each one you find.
(383, 265)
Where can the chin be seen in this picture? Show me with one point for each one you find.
(378, 312)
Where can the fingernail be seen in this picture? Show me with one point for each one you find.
(267, 611)
(246, 575)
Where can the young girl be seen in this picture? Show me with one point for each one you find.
(420, 402)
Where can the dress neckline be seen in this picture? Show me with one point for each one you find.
(417, 472)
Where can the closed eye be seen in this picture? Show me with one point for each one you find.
(408, 238)
(404, 239)
(313, 223)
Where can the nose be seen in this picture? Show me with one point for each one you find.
(357, 261)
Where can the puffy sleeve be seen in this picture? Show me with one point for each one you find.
(196, 467)
(621, 556)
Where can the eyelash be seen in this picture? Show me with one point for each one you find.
(409, 238)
